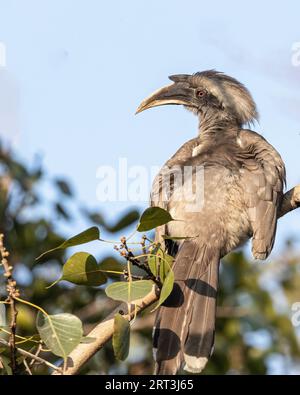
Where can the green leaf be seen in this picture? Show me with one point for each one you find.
(111, 267)
(82, 269)
(160, 263)
(86, 236)
(166, 262)
(153, 265)
(60, 332)
(166, 288)
(3, 323)
(153, 217)
(61, 211)
(127, 220)
(64, 187)
(129, 291)
(96, 218)
(121, 337)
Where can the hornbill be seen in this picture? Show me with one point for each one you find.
(242, 180)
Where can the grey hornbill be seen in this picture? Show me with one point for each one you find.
(243, 180)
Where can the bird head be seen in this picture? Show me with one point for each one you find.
(204, 91)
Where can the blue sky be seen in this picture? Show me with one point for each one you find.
(76, 71)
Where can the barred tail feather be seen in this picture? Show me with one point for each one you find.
(185, 324)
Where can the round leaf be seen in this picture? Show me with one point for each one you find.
(153, 217)
(82, 269)
(61, 332)
(129, 291)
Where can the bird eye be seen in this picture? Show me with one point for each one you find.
(201, 93)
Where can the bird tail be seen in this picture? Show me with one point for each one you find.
(185, 324)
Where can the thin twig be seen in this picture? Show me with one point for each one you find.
(30, 355)
(1, 363)
(64, 367)
(13, 292)
(143, 244)
(129, 256)
(27, 367)
(39, 349)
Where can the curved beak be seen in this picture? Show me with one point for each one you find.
(178, 93)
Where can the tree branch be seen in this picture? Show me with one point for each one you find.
(104, 330)
(12, 293)
(291, 201)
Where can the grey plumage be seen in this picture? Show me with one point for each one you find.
(241, 186)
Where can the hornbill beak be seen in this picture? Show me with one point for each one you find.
(178, 93)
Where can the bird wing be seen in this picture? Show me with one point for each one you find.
(162, 186)
(263, 178)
